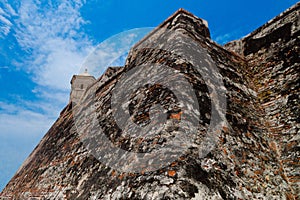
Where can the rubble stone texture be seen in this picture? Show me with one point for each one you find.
(257, 151)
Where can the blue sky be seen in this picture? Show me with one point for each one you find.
(43, 43)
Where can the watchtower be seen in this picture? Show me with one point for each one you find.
(79, 84)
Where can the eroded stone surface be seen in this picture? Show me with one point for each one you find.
(257, 151)
(273, 54)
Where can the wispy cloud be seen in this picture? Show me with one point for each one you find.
(52, 46)
(6, 12)
(223, 39)
(20, 130)
(17, 120)
(6, 24)
(53, 35)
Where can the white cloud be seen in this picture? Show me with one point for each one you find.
(18, 120)
(5, 21)
(5, 25)
(6, 12)
(9, 9)
(53, 34)
(222, 39)
(225, 38)
(2, 11)
(20, 130)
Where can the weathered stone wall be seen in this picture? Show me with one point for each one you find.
(251, 159)
(273, 53)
